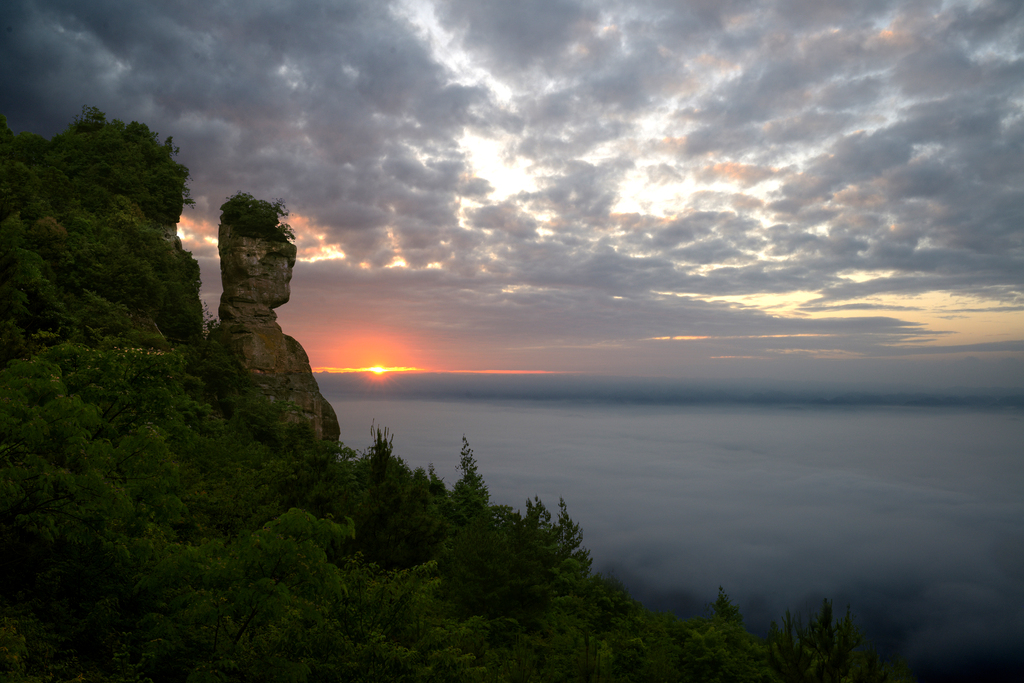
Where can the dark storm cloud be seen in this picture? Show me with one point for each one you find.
(336, 106)
(520, 34)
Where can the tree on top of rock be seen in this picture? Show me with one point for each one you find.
(251, 217)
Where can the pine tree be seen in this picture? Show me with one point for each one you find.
(470, 497)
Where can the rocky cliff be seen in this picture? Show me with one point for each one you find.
(256, 273)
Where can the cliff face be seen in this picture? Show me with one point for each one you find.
(256, 274)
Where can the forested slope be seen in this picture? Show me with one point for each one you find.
(160, 521)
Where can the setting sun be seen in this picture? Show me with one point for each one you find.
(377, 352)
(375, 369)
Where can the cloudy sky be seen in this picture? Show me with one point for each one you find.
(692, 188)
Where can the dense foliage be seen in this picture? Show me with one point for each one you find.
(86, 246)
(251, 217)
(161, 521)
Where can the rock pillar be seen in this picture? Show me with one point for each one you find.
(256, 273)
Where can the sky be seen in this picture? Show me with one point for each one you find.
(788, 189)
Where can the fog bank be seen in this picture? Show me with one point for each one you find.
(913, 516)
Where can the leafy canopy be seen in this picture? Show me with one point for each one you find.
(251, 217)
(87, 246)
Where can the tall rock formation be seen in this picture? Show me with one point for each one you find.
(256, 273)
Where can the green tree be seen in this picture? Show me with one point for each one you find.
(103, 159)
(503, 564)
(231, 609)
(718, 649)
(251, 217)
(824, 651)
(85, 220)
(469, 497)
(397, 526)
(569, 540)
(86, 501)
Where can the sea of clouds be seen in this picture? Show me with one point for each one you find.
(911, 515)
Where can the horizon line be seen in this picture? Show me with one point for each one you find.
(382, 370)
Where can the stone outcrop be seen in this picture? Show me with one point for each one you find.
(170, 231)
(256, 273)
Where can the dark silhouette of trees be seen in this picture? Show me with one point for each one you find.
(827, 650)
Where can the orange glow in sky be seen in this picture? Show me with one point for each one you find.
(377, 352)
(375, 369)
